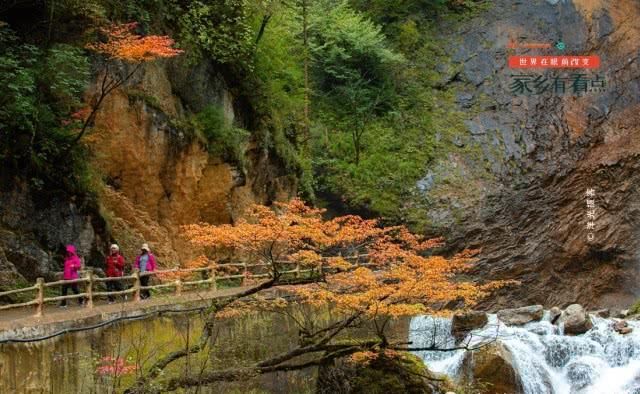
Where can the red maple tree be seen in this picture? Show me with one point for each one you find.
(122, 44)
(367, 273)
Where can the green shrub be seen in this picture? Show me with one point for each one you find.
(40, 91)
(221, 138)
(151, 101)
(635, 308)
(349, 50)
(220, 29)
(66, 75)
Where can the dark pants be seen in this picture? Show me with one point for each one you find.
(113, 285)
(144, 281)
(65, 290)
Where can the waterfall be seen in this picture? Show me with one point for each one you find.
(546, 361)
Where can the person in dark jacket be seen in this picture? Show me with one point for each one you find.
(72, 265)
(115, 269)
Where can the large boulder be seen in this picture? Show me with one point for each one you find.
(465, 322)
(490, 369)
(520, 316)
(575, 319)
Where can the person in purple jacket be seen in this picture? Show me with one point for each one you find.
(145, 262)
(72, 265)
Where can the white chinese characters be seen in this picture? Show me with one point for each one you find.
(591, 213)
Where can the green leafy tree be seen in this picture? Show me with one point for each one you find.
(67, 74)
(40, 88)
(221, 29)
(18, 82)
(352, 64)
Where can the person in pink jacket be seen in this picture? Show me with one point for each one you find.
(145, 262)
(72, 265)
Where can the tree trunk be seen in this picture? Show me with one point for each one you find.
(263, 26)
(305, 36)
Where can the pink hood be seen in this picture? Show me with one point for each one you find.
(72, 264)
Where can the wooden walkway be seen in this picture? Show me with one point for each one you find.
(178, 288)
(21, 323)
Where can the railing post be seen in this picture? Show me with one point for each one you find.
(214, 284)
(244, 274)
(178, 287)
(90, 290)
(40, 296)
(136, 285)
(297, 273)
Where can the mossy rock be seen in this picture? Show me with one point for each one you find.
(491, 368)
(405, 373)
(634, 309)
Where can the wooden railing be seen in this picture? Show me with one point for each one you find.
(166, 278)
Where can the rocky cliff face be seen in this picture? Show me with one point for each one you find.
(514, 183)
(542, 152)
(159, 178)
(35, 226)
(153, 178)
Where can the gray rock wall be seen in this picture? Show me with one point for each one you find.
(544, 151)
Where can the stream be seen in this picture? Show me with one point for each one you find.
(546, 361)
(597, 362)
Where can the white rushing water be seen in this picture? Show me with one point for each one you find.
(600, 361)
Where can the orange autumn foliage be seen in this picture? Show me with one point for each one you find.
(394, 275)
(198, 262)
(367, 356)
(123, 44)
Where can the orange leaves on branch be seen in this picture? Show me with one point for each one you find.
(364, 357)
(339, 263)
(251, 306)
(82, 114)
(396, 279)
(198, 262)
(266, 235)
(124, 44)
(79, 116)
(307, 258)
(368, 356)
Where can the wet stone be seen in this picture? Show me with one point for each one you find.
(521, 316)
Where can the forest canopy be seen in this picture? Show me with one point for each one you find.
(345, 91)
